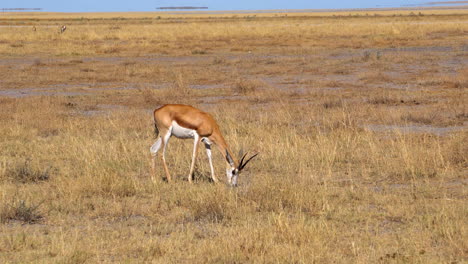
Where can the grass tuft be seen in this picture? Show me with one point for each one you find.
(247, 86)
(19, 210)
(26, 173)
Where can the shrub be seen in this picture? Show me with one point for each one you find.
(25, 173)
(19, 210)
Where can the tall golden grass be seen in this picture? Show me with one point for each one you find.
(360, 124)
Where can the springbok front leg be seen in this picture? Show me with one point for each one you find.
(208, 153)
(196, 141)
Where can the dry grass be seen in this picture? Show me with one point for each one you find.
(360, 123)
(184, 36)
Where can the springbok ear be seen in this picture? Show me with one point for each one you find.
(229, 159)
(242, 163)
(241, 152)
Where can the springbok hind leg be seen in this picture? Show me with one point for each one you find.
(154, 152)
(164, 142)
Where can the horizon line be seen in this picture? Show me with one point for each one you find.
(230, 11)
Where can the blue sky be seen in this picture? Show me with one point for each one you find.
(150, 5)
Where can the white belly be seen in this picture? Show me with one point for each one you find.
(182, 132)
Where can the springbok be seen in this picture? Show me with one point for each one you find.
(184, 121)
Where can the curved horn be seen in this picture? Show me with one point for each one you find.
(242, 165)
(242, 160)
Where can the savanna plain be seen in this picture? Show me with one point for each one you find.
(360, 119)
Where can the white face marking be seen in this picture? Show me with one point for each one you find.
(229, 175)
(182, 132)
(232, 177)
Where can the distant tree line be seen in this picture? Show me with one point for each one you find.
(20, 9)
(182, 7)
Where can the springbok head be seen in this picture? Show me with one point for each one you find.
(232, 172)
